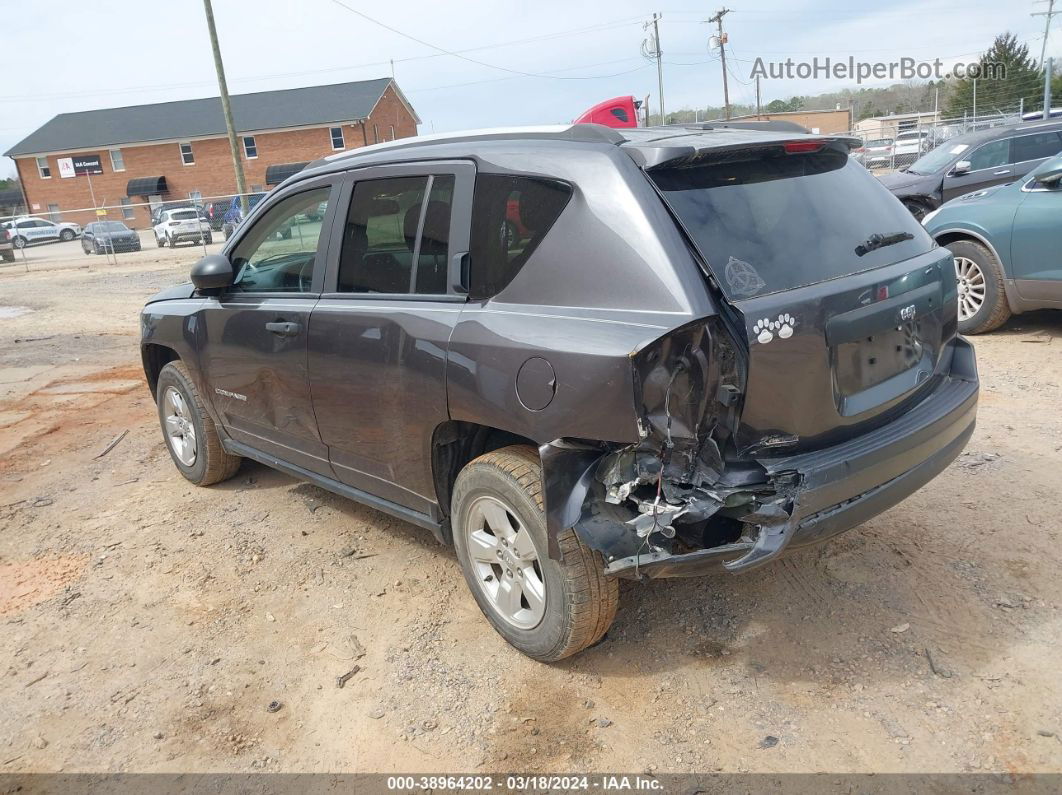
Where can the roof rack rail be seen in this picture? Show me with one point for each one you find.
(589, 133)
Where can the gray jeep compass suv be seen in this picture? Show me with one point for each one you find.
(577, 354)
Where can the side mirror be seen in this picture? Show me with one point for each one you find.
(1051, 176)
(962, 167)
(212, 272)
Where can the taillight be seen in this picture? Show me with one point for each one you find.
(802, 147)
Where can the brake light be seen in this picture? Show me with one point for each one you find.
(802, 147)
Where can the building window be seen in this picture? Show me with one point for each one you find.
(53, 212)
(117, 162)
(337, 138)
(127, 208)
(392, 132)
(250, 148)
(257, 189)
(195, 195)
(42, 168)
(375, 134)
(186, 155)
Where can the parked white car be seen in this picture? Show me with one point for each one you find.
(31, 231)
(909, 146)
(180, 224)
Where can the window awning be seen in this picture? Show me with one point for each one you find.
(281, 171)
(146, 186)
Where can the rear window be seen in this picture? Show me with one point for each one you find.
(184, 215)
(775, 221)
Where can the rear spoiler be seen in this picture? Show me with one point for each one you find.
(680, 150)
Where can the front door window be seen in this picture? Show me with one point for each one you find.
(278, 253)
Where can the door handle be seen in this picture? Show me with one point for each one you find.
(1001, 173)
(284, 329)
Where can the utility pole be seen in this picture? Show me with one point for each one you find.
(1047, 88)
(718, 20)
(757, 96)
(1050, 12)
(651, 49)
(226, 108)
(975, 101)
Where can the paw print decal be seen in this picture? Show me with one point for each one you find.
(785, 326)
(766, 329)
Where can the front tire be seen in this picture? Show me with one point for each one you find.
(545, 608)
(983, 303)
(189, 432)
(917, 209)
(19, 242)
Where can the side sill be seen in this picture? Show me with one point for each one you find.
(343, 490)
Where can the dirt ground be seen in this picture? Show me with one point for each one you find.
(147, 623)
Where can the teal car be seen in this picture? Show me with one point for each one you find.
(1007, 242)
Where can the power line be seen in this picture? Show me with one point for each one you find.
(614, 25)
(459, 55)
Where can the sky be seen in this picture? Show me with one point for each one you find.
(515, 63)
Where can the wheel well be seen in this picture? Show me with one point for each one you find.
(456, 443)
(155, 358)
(955, 237)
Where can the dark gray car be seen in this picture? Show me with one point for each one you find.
(973, 161)
(577, 354)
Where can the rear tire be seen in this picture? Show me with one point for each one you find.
(181, 413)
(161, 242)
(983, 303)
(66, 235)
(579, 600)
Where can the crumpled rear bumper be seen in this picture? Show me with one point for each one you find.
(847, 484)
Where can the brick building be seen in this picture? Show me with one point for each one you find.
(171, 151)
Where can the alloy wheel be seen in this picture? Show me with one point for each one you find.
(180, 432)
(971, 285)
(505, 562)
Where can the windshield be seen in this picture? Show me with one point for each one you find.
(111, 226)
(184, 215)
(880, 142)
(939, 159)
(771, 223)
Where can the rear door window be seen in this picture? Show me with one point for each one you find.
(397, 236)
(510, 217)
(768, 221)
(1035, 147)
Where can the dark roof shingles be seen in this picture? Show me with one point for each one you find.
(192, 118)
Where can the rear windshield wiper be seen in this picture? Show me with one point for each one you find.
(875, 242)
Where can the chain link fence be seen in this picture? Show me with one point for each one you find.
(895, 142)
(114, 230)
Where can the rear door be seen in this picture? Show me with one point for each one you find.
(844, 301)
(379, 336)
(1029, 151)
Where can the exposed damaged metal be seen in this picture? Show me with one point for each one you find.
(673, 493)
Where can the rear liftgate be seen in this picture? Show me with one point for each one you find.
(816, 362)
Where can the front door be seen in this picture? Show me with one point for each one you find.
(253, 336)
(1036, 243)
(990, 164)
(379, 335)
